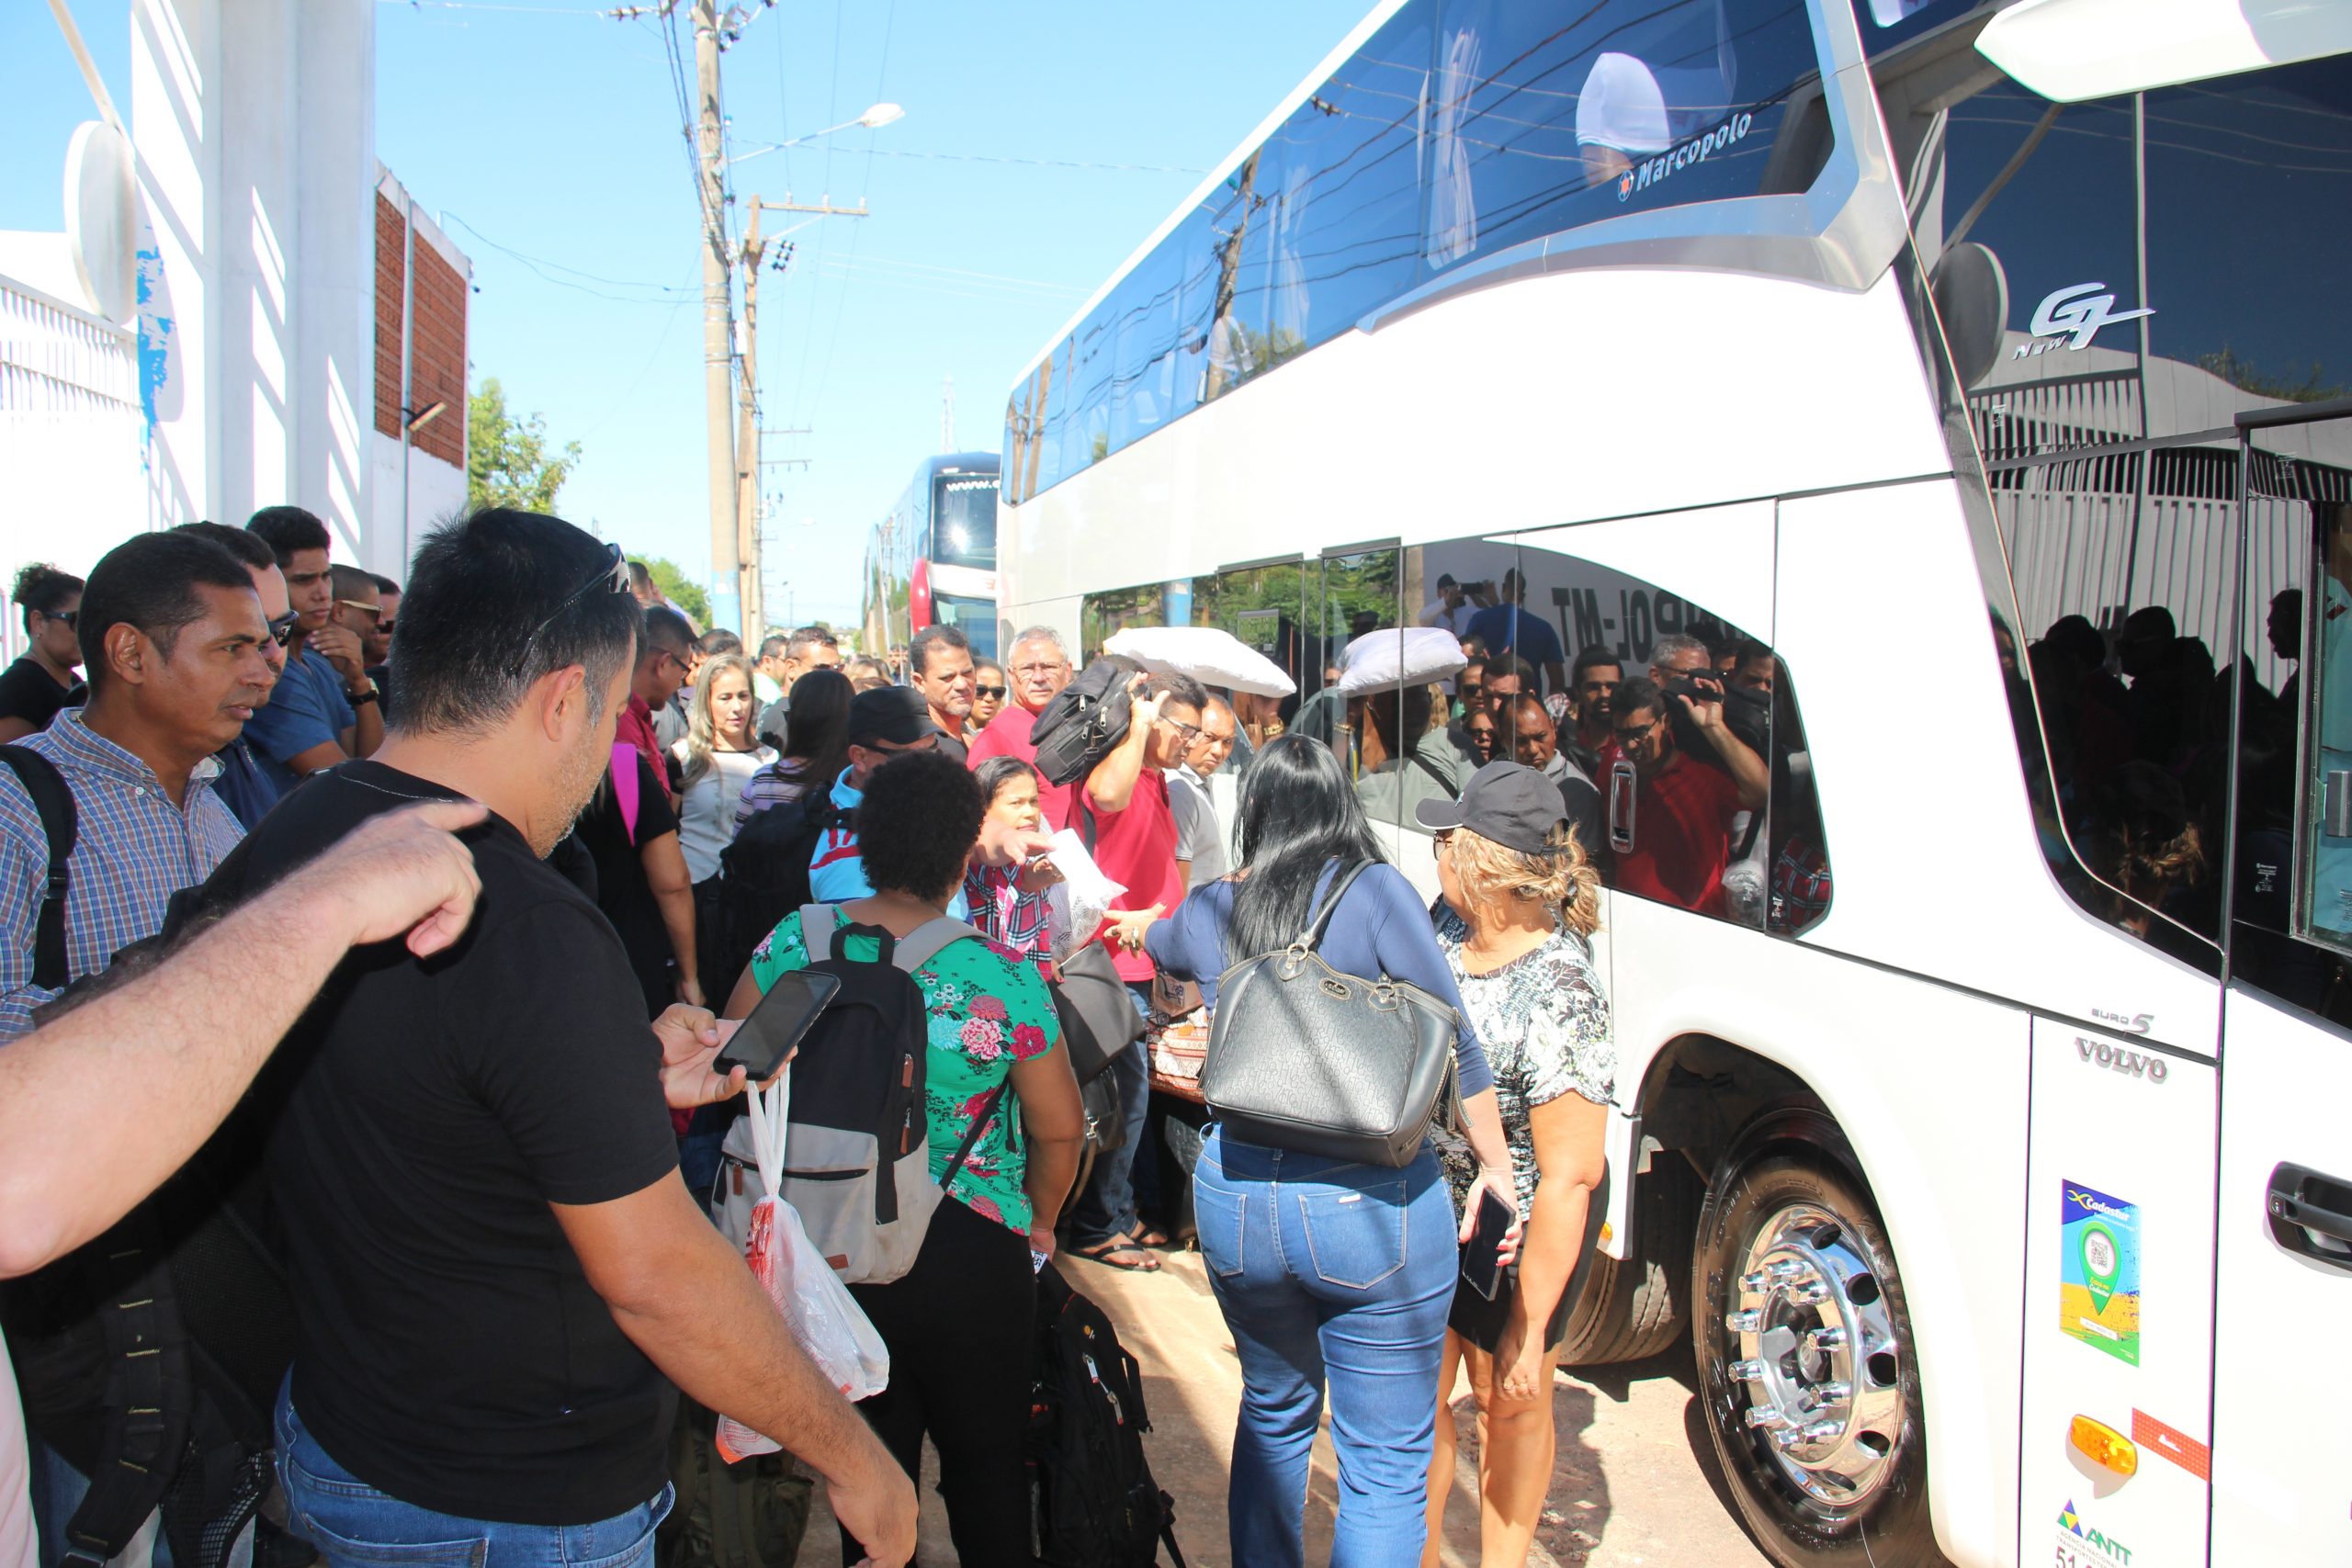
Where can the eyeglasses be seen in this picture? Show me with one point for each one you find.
(1186, 733)
(282, 627)
(613, 575)
(375, 612)
(995, 693)
(1628, 733)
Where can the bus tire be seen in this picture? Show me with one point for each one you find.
(1806, 1373)
(1633, 1308)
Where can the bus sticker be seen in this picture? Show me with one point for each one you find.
(2098, 1272)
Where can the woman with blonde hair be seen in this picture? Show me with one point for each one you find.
(720, 753)
(1520, 901)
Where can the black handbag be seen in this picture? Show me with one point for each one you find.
(1304, 1057)
(1098, 1015)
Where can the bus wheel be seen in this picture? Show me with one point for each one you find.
(1635, 1307)
(1804, 1357)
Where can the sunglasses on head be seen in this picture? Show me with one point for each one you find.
(613, 576)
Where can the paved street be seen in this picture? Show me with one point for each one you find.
(1634, 1483)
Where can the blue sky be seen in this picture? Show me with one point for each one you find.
(543, 128)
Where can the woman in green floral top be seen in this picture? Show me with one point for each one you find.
(958, 1323)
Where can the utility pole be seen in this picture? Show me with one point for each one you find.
(718, 327)
(746, 466)
(747, 445)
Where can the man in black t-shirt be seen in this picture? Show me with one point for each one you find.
(496, 1271)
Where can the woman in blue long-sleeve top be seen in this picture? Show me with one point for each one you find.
(1329, 1273)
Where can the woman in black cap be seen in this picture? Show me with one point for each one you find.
(1520, 901)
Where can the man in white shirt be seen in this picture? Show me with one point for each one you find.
(1453, 606)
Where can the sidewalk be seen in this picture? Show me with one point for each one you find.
(1635, 1483)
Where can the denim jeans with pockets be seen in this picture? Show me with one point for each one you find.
(354, 1524)
(1339, 1274)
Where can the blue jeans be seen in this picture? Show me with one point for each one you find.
(1106, 1205)
(1335, 1273)
(355, 1526)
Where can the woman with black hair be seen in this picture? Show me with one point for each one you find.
(959, 1323)
(33, 690)
(1329, 1273)
(816, 746)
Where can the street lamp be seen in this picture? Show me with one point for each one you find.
(874, 119)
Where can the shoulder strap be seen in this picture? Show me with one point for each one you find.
(1340, 885)
(972, 1134)
(820, 930)
(59, 820)
(1431, 769)
(624, 757)
(923, 944)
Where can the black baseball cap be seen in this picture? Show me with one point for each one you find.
(1512, 804)
(894, 714)
(1445, 580)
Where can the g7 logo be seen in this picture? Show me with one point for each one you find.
(2075, 313)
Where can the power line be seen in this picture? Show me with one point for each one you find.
(1038, 163)
(541, 266)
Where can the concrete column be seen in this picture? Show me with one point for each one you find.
(334, 274)
(174, 95)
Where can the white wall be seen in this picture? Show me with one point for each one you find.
(437, 491)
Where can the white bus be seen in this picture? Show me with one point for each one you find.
(1959, 353)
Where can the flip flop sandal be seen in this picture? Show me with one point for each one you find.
(1149, 1235)
(1110, 1252)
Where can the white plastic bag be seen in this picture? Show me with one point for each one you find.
(824, 1318)
(1209, 655)
(1079, 901)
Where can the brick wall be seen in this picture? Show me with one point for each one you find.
(437, 365)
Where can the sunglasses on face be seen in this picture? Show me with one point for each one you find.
(1628, 733)
(995, 693)
(282, 627)
(64, 618)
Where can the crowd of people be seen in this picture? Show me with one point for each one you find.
(479, 1074)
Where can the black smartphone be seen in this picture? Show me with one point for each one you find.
(778, 1023)
(1482, 1265)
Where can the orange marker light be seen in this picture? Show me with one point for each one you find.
(2104, 1446)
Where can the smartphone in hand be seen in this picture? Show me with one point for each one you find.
(773, 1029)
(1482, 1265)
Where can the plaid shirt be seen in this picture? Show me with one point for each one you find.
(1006, 915)
(134, 849)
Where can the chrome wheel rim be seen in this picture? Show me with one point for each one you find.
(1817, 1356)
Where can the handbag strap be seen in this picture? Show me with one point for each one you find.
(1313, 939)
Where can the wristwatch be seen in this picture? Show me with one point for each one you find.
(361, 699)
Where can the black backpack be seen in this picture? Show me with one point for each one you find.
(763, 876)
(1085, 721)
(1096, 1503)
(150, 1358)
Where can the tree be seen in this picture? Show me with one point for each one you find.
(507, 461)
(678, 588)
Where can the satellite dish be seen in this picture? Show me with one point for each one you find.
(1971, 295)
(101, 215)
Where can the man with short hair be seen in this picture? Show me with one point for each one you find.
(357, 610)
(1535, 744)
(1507, 679)
(805, 648)
(499, 1281)
(1201, 850)
(1038, 668)
(1676, 655)
(241, 783)
(325, 709)
(1683, 809)
(665, 659)
(1133, 836)
(768, 684)
(1453, 609)
(388, 602)
(1506, 626)
(1592, 683)
(882, 724)
(939, 665)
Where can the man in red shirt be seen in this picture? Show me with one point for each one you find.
(1040, 667)
(661, 664)
(1682, 807)
(1124, 816)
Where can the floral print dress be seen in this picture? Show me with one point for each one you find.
(987, 1009)
(1544, 1025)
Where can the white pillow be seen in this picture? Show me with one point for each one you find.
(1395, 657)
(1209, 655)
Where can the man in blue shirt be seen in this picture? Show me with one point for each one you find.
(1507, 628)
(325, 709)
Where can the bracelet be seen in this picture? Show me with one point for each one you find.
(361, 699)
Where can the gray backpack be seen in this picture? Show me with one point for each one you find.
(857, 1143)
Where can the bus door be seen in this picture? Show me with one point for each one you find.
(2282, 1492)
